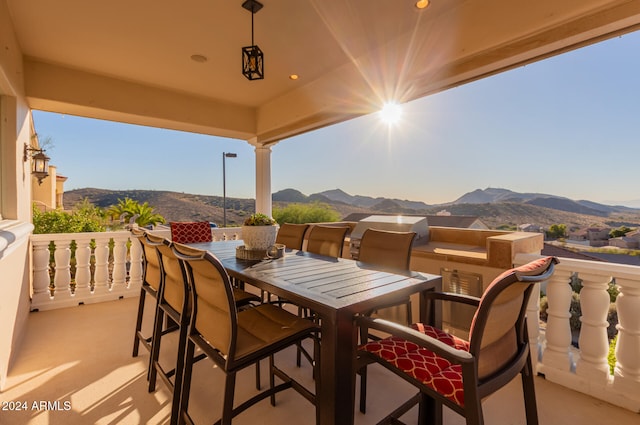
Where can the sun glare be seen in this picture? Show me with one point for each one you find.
(391, 113)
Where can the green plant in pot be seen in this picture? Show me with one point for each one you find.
(259, 232)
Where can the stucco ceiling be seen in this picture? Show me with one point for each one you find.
(131, 61)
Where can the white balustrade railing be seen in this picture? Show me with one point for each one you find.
(108, 266)
(102, 269)
(585, 368)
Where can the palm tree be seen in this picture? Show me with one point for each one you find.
(142, 213)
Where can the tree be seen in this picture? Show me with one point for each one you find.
(128, 208)
(315, 212)
(620, 231)
(85, 218)
(557, 231)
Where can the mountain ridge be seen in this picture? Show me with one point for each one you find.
(501, 208)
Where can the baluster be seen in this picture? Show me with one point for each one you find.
(83, 271)
(533, 325)
(62, 277)
(101, 274)
(558, 334)
(627, 370)
(41, 277)
(594, 343)
(119, 273)
(135, 264)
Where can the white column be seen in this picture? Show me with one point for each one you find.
(533, 325)
(119, 273)
(135, 264)
(101, 273)
(83, 264)
(558, 334)
(41, 278)
(627, 370)
(62, 278)
(263, 180)
(594, 343)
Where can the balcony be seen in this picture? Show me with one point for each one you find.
(75, 361)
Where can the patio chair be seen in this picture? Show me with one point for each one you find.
(327, 240)
(292, 235)
(190, 232)
(151, 282)
(457, 373)
(234, 339)
(389, 251)
(174, 304)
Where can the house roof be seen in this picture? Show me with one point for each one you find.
(461, 221)
(558, 251)
(177, 65)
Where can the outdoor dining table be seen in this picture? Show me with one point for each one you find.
(336, 290)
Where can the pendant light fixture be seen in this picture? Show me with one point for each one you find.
(252, 56)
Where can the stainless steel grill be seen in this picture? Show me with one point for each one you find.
(396, 223)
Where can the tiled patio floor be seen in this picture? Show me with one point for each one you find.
(82, 356)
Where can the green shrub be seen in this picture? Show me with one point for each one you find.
(58, 221)
(315, 212)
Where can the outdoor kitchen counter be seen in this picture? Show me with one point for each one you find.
(488, 248)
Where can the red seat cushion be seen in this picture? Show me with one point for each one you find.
(424, 365)
(190, 232)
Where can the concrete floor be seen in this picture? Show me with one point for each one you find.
(75, 367)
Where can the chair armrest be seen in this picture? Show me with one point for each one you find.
(440, 348)
(451, 296)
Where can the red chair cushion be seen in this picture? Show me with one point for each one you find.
(424, 365)
(190, 232)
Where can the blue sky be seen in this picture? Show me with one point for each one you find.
(566, 126)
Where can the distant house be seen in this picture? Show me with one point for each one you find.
(595, 236)
(625, 242)
(458, 221)
(534, 228)
(631, 240)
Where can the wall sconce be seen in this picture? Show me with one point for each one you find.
(252, 56)
(40, 164)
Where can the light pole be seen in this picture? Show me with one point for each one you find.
(225, 155)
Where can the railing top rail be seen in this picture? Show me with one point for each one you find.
(82, 236)
(597, 268)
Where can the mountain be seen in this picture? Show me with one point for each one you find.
(369, 202)
(497, 208)
(289, 195)
(495, 195)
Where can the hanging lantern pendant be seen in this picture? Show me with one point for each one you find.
(252, 56)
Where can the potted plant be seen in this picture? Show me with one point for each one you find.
(259, 232)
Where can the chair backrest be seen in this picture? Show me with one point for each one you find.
(387, 249)
(213, 309)
(498, 330)
(152, 270)
(292, 235)
(175, 284)
(327, 240)
(190, 232)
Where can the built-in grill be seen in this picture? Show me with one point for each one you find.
(396, 223)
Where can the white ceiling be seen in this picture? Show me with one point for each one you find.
(130, 60)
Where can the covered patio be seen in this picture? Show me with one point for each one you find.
(81, 355)
(175, 66)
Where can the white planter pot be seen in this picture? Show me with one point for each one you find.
(259, 237)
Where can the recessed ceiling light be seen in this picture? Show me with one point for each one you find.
(199, 58)
(422, 4)
(293, 77)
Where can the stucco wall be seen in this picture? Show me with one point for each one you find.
(15, 195)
